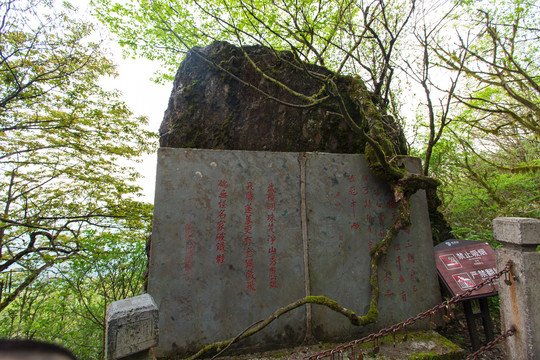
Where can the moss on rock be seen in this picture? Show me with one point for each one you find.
(227, 114)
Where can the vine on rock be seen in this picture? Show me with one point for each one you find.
(368, 121)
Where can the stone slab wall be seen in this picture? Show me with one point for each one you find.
(238, 234)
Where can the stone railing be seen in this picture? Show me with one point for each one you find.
(520, 292)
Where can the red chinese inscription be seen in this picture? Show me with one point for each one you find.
(190, 247)
(248, 237)
(271, 235)
(221, 248)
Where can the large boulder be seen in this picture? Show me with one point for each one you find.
(210, 108)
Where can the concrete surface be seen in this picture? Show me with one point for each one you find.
(236, 232)
(519, 300)
(519, 231)
(419, 345)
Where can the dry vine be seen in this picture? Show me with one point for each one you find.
(382, 159)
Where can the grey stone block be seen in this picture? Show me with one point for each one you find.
(217, 226)
(132, 326)
(519, 231)
(232, 242)
(349, 211)
(519, 302)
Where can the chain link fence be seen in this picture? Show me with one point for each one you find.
(351, 349)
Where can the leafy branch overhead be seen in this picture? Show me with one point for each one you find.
(62, 138)
(503, 62)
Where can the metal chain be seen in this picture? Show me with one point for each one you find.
(396, 327)
(491, 344)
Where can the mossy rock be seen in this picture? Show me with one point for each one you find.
(210, 109)
(419, 345)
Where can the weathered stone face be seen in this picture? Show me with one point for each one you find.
(231, 245)
(211, 110)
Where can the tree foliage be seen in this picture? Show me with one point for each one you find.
(502, 67)
(489, 156)
(68, 305)
(350, 37)
(65, 144)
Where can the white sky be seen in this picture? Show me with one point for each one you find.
(143, 97)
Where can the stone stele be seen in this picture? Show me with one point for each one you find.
(239, 234)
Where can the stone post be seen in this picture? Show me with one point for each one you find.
(520, 292)
(132, 328)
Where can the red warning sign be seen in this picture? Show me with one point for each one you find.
(463, 264)
(450, 262)
(464, 281)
